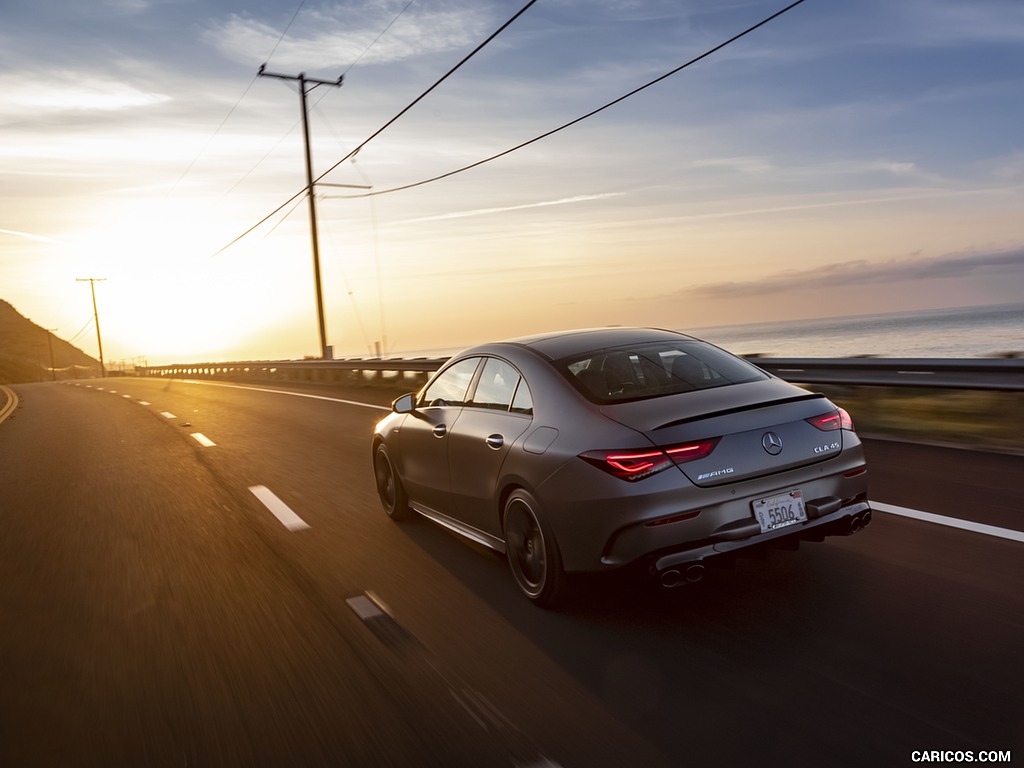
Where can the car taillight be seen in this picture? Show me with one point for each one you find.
(628, 465)
(833, 420)
(636, 465)
(691, 451)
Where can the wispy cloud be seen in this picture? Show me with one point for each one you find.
(847, 273)
(503, 209)
(66, 91)
(335, 39)
(29, 236)
(844, 203)
(951, 21)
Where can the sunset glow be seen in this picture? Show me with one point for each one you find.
(840, 160)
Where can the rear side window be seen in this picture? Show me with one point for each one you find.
(523, 401)
(497, 385)
(654, 369)
(502, 388)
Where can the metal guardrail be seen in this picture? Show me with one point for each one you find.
(351, 371)
(996, 374)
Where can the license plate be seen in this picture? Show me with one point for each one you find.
(779, 511)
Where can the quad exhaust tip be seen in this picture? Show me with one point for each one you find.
(673, 577)
(676, 578)
(859, 522)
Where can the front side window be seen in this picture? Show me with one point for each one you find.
(450, 387)
(653, 369)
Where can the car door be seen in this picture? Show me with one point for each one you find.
(498, 412)
(424, 436)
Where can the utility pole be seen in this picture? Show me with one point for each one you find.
(96, 316)
(314, 236)
(49, 338)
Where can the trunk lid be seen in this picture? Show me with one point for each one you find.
(761, 428)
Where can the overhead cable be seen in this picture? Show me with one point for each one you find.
(285, 32)
(384, 127)
(84, 327)
(377, 39)
(231, 111)
(578, 119)
(423, 95)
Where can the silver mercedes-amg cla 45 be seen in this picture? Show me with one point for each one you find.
(588, 451)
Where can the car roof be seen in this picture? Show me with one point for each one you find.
(561, 344)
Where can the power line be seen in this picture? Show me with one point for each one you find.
(231, 111)
(315, 103)
(580, 119)
(283, 218)
(382, 33)
(285, 32)
(423, 95)
(381, 129)
(84, 328)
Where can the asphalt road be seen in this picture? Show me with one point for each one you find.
(155, 611)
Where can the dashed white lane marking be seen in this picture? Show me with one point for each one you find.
(520, 750)
(280, 510)
(203, 440)
(143, 402)
(952, 522)
(127, 397)
(168, 415)
(364, 607)
(285, 392)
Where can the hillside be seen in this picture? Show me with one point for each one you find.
(25, 352)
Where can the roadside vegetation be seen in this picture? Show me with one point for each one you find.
(979, 420)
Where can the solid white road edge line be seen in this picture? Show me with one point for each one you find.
(281, 511)
(928, 517)
(203, 440)
(12, 402)
(285, 392)
(952, 522)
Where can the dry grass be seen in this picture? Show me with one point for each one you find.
(986, 420)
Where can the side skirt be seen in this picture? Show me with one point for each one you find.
(469, 532)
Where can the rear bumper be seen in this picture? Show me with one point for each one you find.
(602, 523)
(843, 521)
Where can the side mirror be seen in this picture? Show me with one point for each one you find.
(404, 404)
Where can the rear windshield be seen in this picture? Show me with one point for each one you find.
(653, 369)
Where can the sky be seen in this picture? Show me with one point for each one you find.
(843, 159)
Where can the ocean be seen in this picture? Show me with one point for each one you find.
(963, 332)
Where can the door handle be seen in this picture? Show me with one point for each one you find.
(495, 442)
(440, 430)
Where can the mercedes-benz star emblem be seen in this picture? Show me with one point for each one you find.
(772, 443)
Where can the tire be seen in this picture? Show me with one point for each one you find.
(389, 485)
(532, 551)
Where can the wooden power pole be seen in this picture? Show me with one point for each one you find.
(307, 84)
(96, 316)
